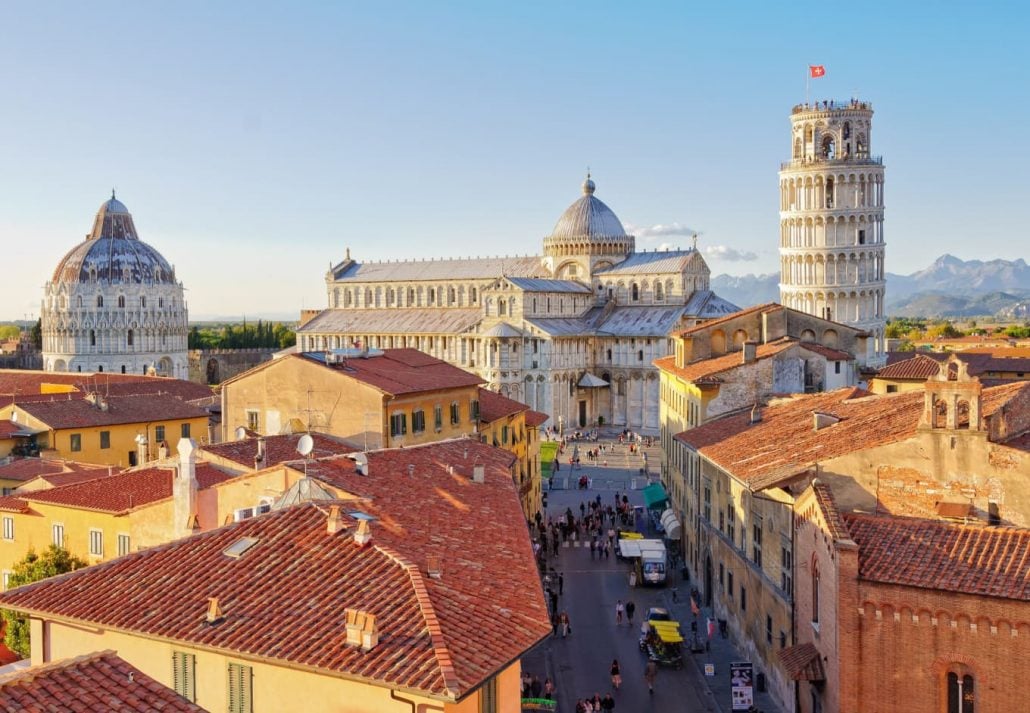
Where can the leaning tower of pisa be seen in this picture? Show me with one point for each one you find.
(831, 219)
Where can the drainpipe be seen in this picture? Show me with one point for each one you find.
(422, 707)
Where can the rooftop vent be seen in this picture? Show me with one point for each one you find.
(411, 470)
(478, 474)
(756, 415)
(214, 612)
(750, 352)
(822, 420)
(361, 629)
(360, 463)
(236, 549)
(335, 522)
(363, 535)
(433, 567)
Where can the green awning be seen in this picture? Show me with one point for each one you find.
(655, 496)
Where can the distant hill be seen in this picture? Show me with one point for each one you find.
(950, 287)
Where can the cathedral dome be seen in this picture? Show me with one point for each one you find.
(113, 252)
(588, 218)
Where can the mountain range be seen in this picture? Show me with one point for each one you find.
(950, 287)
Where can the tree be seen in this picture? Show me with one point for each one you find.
(54, 560)
(37, 334)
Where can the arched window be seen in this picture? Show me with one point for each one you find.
(128, 338)
(658, 295)
(829, 192)
(336, 298)
(846, 133)
(609, 353)
(829, 147)
(634, 292)
(92, 337)
(80, 300)
(961, 693)
(121, 301)
(100, 300)
(143, 302)
(640, 355)
(861, 147)
(815, 592)
(502, 307)
(797, 147)
(160, 302)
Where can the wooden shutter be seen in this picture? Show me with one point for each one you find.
(240, 693)
(184, 675)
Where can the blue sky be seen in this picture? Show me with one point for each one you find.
(254, 142)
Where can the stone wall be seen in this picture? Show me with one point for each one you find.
(213, 366)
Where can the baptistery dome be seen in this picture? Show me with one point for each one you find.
(113, 252)
(114, 304)
(588, 218)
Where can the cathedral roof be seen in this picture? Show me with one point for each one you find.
(588, 218)
(652, 263)
(113, 252)
(445, 269)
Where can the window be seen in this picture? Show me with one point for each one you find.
(730, 523)
(105, 439)
(708, 501)
(438, 418)
(786, 570)
(123, 545)
(743, 598)
(768, 629)
(240, 689)
(143, 302)
(121, 300)
(252, 420)
(96, 542)
(128, 338)
(57, 533)
(75, 442)
(892, 388)
(418, 421)
(861, 237)
(92, 337)
(836, 367)
(184, 430)
(756, 542)
(241, 514)
(8, 528)
(7, 579)
(961, 693)
(729, 584)
(722, 573)
(473, 410)
(184, 667)
(815, 593)
(159, 433)
(398, 424)
(455, 415)
(488, 697)
(100, 301)
(132, 458)
(504, 435)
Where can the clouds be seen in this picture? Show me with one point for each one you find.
(659, 230)
(728, 254)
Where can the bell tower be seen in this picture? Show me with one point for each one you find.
(831, 220)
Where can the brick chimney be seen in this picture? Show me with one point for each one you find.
(363, 535)
(214, 612)
(184, 488)
(750, 352)
(361, 629)
(478, 474)
(334, 523)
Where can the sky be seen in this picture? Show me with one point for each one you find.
(255, 142)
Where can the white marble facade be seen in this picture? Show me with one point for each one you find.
(572, 333)
(114, 304)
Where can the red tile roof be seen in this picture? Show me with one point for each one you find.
(25, 469)
(535, 419)
(829, 352)
(100, 682)
(10, 503)
(802, 662)
(924, 365)
(400, 371)
(831, 513)
(784, 443)
(708, 368)
(494, 406)
(278, 449)
(124, 491)
(8, 429)
(285, 597)
(23, 383)
(919, 366)
(983, 561)
(62, 413)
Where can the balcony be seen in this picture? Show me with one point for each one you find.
(807, 162)
(832, 105)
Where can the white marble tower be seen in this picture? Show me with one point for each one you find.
(831, 219)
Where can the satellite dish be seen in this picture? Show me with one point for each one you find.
(305, 445)
(241, 433)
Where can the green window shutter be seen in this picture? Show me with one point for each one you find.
(240, 689)
(184, 675)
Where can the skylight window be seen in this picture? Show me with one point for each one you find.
(359, 515)
(236, 549)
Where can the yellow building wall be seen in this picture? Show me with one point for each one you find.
(524, 444)
(6, 446)
(276, 688)
(880, 386)
(427, 402)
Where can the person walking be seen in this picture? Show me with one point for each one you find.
(561, 584)
(650, 674)
(619, 609)
(630, 608)
(549, 689)
(607, 703)
(616, 674)
(563, 622)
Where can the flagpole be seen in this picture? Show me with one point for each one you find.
(808, 79)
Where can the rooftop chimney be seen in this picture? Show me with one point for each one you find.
(184, 488)
(363, 535)
(411, 470)
(478, 474)
(750, 352)
(260, 457)
(334, 523)
(822, 420)
(361, 629)
(433, 567)
(756, 414)
(214, 612)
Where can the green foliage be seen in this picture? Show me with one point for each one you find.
(54, 560)
(264, 335)
(37, 334)
(1017, 332)
(9, 331)
(944, 329)
(906, 346)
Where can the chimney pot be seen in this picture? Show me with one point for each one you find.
(363, 535)
(214, 612)
(478, 474)
(361, 629)
(433, 567)
(334, 523)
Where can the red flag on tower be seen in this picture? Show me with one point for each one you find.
(816, 70)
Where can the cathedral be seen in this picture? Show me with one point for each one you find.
(572, 333)
(114, 305)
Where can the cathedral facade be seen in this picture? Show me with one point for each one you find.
(114, 304)
(572, 333)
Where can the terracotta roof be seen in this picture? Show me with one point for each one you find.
(493, 406)
(399, 371)
(829, 352)
(536, 418)
(919, 366)
(932, 554)
(24, 469)
(278, 449)
(11, 503)
(124, 491)
(784, 443)
(62, 413)
(831, 513)
(707, 368)
(23, 383)
(97, 682)
(1001, 352)
(8, 429)
(767, 307)
(285, 597)
(802, 662)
